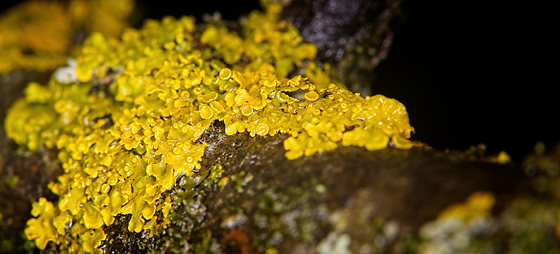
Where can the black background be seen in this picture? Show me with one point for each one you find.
(471, 73)
(467, 72)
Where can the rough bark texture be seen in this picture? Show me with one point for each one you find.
(378, 199)
(349, 199)
(353, 36)
(272, 202)
(24, 176)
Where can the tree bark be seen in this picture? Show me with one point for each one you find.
(350, 199)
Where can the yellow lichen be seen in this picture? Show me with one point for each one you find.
(478, 205)
(311, 96)
(39, 34)
(104, 16)
(122, 148)
(91, 239)
(41, 229)
(35, 34)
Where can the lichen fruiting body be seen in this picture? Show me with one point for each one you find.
(123, 144)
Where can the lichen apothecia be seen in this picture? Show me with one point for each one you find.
(122, 146)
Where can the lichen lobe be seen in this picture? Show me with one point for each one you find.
(123, 148)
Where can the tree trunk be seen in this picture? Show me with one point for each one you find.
(349, 200)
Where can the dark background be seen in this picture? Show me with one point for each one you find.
(467, 72)
(471, 73)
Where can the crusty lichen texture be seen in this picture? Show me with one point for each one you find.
(128, 126)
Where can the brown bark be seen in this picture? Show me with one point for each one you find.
(379, 199)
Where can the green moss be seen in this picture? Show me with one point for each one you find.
(532, 225)
(290, 213)
(123, 148)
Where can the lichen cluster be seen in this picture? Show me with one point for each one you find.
(473, 227)
(41, 35)
(462, 227)
(127, 126)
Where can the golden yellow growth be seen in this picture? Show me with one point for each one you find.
(38, 34)
(122, 148)
(35, 34)
(478, 205)
(42, 229)
(104, 16)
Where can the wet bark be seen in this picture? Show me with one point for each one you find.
(289, 205)
(377, 199)
(353, 36)
(272, 202)
(24, 175)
